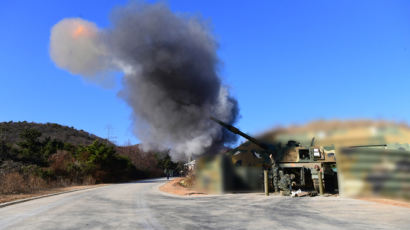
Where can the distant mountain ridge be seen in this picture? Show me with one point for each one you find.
(10, 132)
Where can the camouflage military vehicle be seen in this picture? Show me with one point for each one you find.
(373, 156)
(291, 165)
(374, 172)
(372, 159)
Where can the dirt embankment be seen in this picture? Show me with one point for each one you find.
(400, 203)
(174, 187)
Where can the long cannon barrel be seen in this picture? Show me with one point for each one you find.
(239, 132)
(365, 146)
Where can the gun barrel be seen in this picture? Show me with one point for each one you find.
(235, 130)
(366, 146)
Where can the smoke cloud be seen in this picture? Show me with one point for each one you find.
(170, 67)
(75, 45)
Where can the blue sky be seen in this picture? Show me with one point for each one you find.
(287, 62)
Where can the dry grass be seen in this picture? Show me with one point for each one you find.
(188, 181)
(17, 183)
(14, 186)
(13, 183)
(10, 197)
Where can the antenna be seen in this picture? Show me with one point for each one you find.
(312, 143)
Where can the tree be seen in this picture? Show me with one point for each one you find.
(102, 161)
(31, 147)
(5, 151)
(165, 163)
(49, 147)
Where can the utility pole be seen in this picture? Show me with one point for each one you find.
(109, 133)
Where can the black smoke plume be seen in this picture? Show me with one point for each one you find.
(170, 67)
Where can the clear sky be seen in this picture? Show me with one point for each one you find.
(287, 62)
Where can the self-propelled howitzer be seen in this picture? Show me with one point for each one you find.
(292, 165)
(269, 150)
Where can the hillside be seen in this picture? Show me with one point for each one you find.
(10, 132)
(37, 156)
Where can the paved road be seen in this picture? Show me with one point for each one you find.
(140, 205)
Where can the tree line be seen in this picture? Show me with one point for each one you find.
(58, 163)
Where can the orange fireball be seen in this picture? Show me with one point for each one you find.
(79, 31)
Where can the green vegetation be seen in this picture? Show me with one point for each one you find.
(166, 164)
(33, 161)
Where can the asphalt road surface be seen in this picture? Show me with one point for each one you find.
(140, 205)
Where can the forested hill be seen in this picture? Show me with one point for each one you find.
(39, 156)
(11, 133)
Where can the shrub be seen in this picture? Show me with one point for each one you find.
(13, 183)
(60, 162)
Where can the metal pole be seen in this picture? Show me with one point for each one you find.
(320, 182)
(266, 184)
